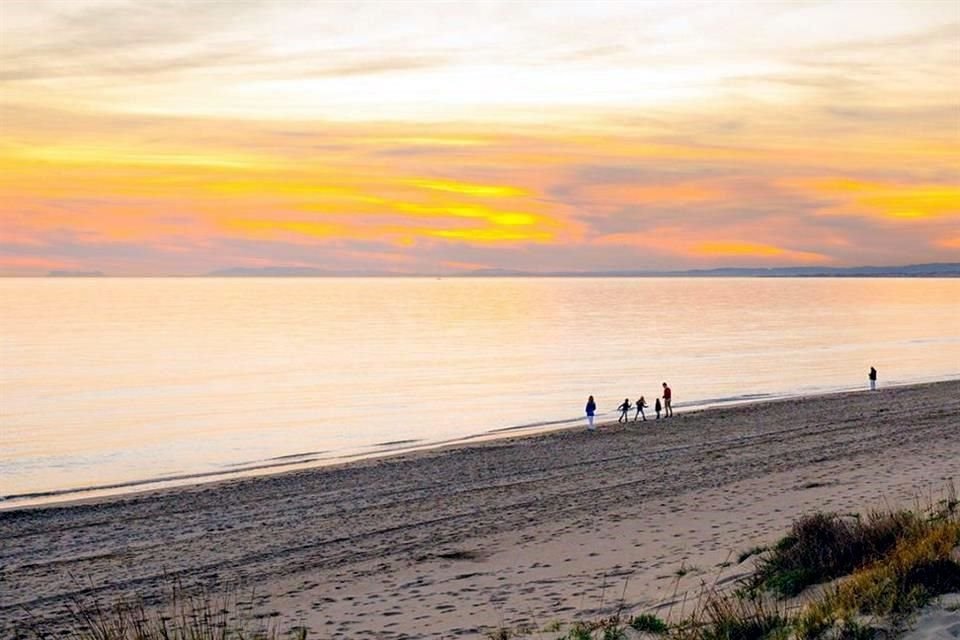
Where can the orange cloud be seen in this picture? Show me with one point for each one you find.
(10, 265)
(466, 188)
(653, 194)
(695, 244)
(737, 249)
(491, 235)
(183, 186)
(949, 243)
(269, 228)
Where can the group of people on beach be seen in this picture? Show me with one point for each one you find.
(666, 407)
(626, 406)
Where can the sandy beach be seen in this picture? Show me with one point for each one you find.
(452, 542)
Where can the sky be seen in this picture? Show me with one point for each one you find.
(174, 138)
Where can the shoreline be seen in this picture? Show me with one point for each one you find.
(449, 542)
(56, 498)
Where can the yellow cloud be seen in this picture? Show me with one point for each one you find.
(466, 188)
(494, 216)
(888, 200)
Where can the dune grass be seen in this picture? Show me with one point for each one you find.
(189, 615)
(920, 567)
(822, 546)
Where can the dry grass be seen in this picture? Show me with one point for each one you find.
(720, 616)
(198, 615)
(918, 569)
(821, 547)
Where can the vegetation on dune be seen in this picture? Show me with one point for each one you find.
(649, 623)
(875, 572)
(196, 615)
(821, 547)
(922, 566)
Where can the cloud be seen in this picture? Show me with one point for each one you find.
(371, 65)
(574, 136)
(470, 189)
(890, 201)
(740, 249)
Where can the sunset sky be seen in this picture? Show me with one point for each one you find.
(143, 137)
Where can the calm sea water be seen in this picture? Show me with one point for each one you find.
(113, 385)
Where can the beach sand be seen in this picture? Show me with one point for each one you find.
(452, 542)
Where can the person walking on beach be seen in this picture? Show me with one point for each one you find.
(873, 379)
(591, 410)
(656, 407)
(667, 396)
(624, 409)
(641, 403)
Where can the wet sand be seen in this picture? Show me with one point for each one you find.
(448, 543)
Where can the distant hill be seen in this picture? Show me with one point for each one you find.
(933, 270)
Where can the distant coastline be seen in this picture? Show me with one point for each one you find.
(930, 270)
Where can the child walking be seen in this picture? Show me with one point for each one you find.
(641, 403)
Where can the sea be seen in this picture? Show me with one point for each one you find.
(117, 385)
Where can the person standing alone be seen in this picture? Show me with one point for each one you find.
(873, 379)
(667, 397)
(591, 410)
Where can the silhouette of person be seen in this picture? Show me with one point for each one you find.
(624, 409)
(591, 410)
(873, 379)
(641, 403)
(667, 396)
(656, 407)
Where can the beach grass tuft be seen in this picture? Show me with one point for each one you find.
(824, 546)
(720, 616)
(649, 623)
(189, 615)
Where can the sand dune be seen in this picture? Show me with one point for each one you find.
(447, 543)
